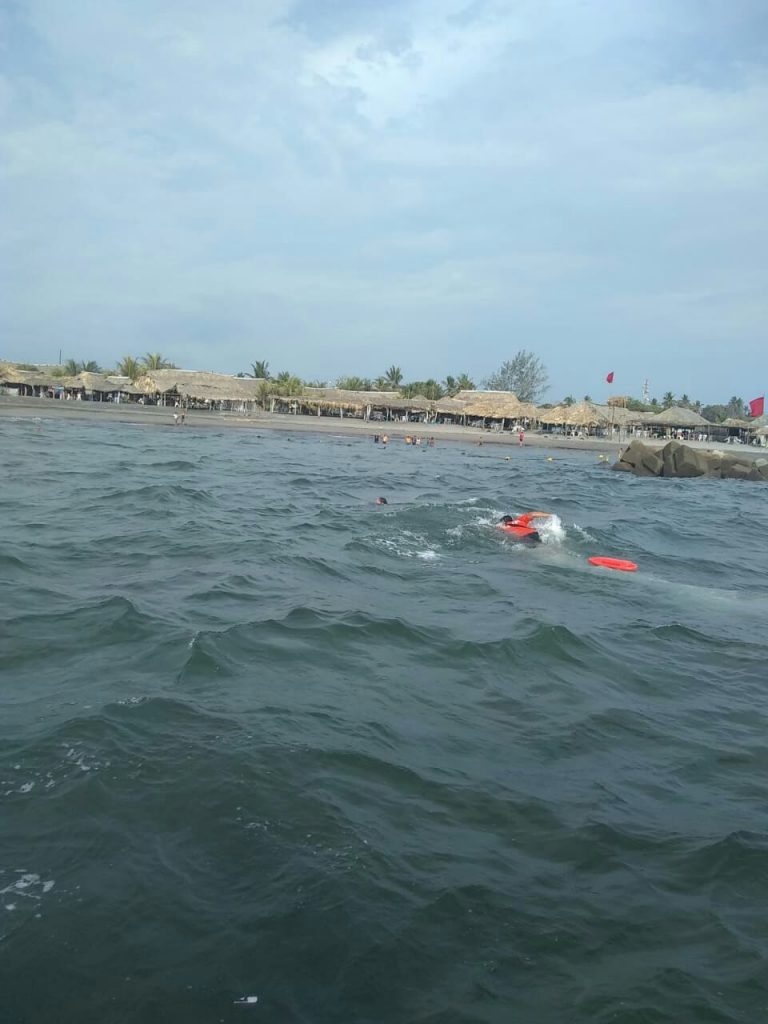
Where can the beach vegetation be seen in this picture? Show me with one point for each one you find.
(286, 383)
(668, 400)
(355, 384)
(157, 361)
(391, 380)
(129, 366)
(259, 370)
(524, 374)
(569, 400)
(263, 393)
(452, 385)
(422, 389)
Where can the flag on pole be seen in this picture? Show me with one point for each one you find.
(757, 406)
(609, 378)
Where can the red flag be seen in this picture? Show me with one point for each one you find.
(609, 378)
(757, 406)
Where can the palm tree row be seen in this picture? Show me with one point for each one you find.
(286, 383)
(129, 366)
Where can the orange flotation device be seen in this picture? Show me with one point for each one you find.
(620, 564)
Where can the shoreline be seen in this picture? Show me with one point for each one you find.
(99, 413)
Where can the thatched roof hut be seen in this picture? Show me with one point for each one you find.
(555, 416)
(677, 416)
(734, 421)
(341, 398)
(587, 414)
(450, 406)
(10, 374)
(199, 385)
(494, 405)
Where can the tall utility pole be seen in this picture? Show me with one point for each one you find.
(646, 391)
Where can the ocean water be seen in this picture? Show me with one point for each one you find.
(262, 738)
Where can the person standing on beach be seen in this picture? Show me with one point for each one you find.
(521, 438)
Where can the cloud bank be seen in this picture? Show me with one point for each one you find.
(336, 187)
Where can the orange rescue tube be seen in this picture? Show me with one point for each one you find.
(621, 564)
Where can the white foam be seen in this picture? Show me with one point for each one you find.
(551, 530)
(428, 555)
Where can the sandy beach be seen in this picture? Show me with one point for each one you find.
(162, 416)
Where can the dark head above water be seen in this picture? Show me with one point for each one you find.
(381, 501)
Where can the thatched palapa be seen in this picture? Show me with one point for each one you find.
(201, 386)
(677, 416)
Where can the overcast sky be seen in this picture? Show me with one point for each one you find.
(338, 185)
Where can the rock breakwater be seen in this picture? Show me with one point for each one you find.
(681, 460)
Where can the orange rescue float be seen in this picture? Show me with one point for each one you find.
(620, 564)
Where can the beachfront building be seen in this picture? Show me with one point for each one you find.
(199, 389)
(88, 387)
(679, 423)
(495, 410)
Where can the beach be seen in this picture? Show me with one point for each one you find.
(104, 413)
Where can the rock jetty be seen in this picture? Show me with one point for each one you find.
(680, 460)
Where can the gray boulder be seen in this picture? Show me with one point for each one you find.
(640, 459)
(681, 461)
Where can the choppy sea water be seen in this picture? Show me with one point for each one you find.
(260, 737)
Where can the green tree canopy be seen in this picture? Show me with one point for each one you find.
(259, 370)
(129, 366)
(524, 373)
(156, 361)
(355, 384)
(392, 379)
(425, 388)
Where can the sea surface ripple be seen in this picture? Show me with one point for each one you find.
(372, 764)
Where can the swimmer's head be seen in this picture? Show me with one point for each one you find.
(381, 501)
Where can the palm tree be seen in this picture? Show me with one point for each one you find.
(587, 398)
(260, 370)
(393, 378)
(263, 391)
(569, 400)
(71, 368)
(288, 384)
(668, 400)
(89, 366)
(465, 383)
(450, 386)
(684, 401)
(129, 366)
(354, 384)
(155, 361)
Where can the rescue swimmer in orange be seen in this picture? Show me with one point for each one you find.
(520, 527)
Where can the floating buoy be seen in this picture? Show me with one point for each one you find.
(621, 564)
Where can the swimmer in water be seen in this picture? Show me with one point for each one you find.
(519, 527)
(382, 501)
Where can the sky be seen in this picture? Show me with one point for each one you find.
(339, 186)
